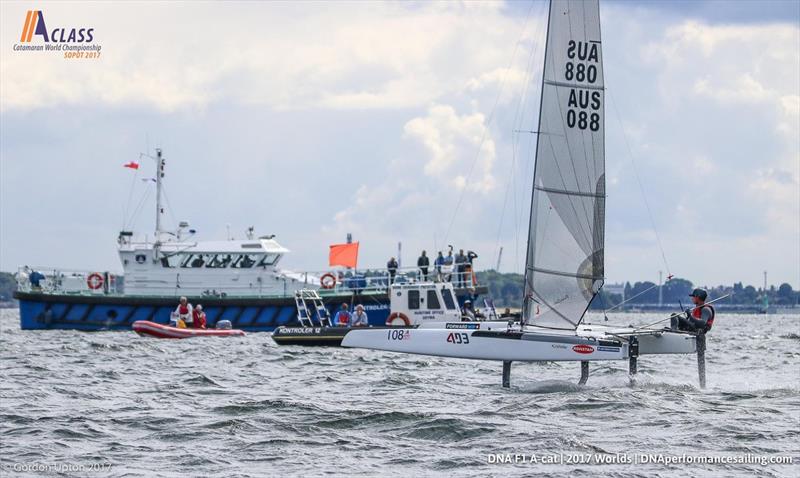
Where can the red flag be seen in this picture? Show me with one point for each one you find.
(132, 165)
(343, 255)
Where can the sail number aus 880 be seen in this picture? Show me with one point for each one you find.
(580, 72)
(458, 338)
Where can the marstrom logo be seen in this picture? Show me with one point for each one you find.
(73, 42)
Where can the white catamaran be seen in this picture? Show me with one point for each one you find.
(564, 265)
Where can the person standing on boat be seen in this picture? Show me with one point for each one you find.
(438, 263)
(183, 314)
(461, 268)
(36, 279)
(470, 268)
(342, 318)
(199, 317)
(392, 267)
(359, 318)
(423, 262)
(447, 268)
(698, 319)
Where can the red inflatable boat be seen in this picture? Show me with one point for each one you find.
(152, 329)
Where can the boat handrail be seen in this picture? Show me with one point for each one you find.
(347, 281)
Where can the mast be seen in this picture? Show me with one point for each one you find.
(564, 263)
(527, 297)
(159, 208)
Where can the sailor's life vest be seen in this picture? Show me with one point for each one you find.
(199, 321)
(698, 314)
(343, 317)
(183, 310)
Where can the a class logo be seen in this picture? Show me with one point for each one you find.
(72, 41)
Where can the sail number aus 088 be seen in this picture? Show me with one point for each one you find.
(458, 338)
(583, 120)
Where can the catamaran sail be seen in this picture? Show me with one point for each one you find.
(564, 265)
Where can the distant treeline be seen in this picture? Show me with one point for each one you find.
(7, 286)
(506, 290)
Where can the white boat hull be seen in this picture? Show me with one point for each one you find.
(588, 343)
(488, 345)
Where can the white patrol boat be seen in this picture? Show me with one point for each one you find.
(238, 280)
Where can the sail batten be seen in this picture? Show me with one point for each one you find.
(565, 260)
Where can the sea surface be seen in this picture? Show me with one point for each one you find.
(115, 404)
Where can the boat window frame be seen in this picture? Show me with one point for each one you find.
(241, 259)
(433, 300)
(449, 300)
(413, 299)
(265, 261)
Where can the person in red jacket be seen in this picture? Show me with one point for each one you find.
(700, 318)
(199, 317)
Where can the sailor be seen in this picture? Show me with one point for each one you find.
(392, 267)
(468, 313)
(698, 319)
(359, 318)
(183, 314)
(423, 262)
(342, 318)
(199, 317)
(438, 263)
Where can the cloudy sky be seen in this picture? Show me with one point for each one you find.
(396, 122)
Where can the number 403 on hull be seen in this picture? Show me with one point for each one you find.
(458, 338)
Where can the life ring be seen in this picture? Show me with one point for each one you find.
(94, 281)
(327, 281)
(397, 316)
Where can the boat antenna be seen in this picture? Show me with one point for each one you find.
(159, 185)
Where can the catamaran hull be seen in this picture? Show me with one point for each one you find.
(488, 345)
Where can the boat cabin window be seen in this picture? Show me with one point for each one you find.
(413, 299)
(219, 260)
(449, 302)
(243, 261)
(433, 300)
(268, 260)
(165, 261)
(192, 260)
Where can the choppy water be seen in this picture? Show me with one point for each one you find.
(246, 407)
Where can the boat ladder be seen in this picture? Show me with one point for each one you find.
(306, 299)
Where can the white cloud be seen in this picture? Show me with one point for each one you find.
(368, 117)
(461, 151)
(281, 56)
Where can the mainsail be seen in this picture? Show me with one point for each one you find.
(564, 265)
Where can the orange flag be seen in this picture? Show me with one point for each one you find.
(344, 255)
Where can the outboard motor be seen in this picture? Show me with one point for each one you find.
(224, 325)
